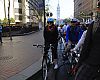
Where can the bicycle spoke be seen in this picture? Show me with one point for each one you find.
(44, 69)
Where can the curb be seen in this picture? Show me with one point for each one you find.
(28, 72)
(36, 76)
(24, 33)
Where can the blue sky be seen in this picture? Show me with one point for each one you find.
(66, 8)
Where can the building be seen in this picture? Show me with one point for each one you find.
(58, 14)
(84, 9)
(58, 11)
(22, 11)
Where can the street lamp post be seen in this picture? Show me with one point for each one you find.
(9, 20)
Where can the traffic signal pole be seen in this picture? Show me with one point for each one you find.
(44, 13)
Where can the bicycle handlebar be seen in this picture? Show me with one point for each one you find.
(38, 45)
(42, 46)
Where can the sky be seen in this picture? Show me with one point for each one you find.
(66, 8)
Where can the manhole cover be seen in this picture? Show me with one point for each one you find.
(6, 57)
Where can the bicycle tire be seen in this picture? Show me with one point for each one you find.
(44, 68)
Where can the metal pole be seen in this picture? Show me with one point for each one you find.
(9, 19)
(44, 13)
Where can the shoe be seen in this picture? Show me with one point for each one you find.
(55, 66)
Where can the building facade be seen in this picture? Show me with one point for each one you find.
(58, 11)
(58, 22)
(22, 11)
(84, 8)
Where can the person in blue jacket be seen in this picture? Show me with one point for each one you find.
(0, 33)
(73, 34)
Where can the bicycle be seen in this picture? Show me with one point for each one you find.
(74, 57)
(61, 43)
(70, 57)
(46, 61)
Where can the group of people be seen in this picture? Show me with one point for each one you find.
(71, 34)
(88, 36)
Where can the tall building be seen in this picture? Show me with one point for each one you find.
(22, 11)
(58, 11)
(84, 8)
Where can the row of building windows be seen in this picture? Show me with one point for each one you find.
(17, 10)
(20, 1)
(18, 17)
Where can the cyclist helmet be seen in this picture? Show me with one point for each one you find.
(50, 20)
(73, 20)
(78, 22)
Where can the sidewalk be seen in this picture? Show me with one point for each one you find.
(18, 59)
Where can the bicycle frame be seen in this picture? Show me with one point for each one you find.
(47, 59)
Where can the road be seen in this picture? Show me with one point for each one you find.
(60, 74)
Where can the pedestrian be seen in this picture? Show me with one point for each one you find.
(89, 61)
(65, 28)
(51, 37)
(1, 33)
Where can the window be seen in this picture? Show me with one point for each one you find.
(20, 1)
(17, 10)
(20, 11)
(18, 17)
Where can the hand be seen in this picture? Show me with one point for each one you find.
(66, 43)
(72, 50)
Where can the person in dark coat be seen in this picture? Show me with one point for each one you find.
(89, 61)
(51, 37)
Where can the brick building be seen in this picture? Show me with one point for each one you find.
(83, 9)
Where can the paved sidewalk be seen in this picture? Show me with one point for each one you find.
(18, 58)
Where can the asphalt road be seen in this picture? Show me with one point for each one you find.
(60, 74)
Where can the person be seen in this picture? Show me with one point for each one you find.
(72, 34)
(65, 26)
(89, 61)
(61, 31)
(51, 37)
(81, 41)
(65, 29)
(1, 33)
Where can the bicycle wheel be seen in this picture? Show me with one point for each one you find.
(44, 68)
